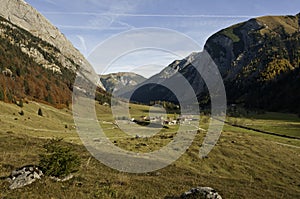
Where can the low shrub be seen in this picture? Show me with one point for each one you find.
(58, 160)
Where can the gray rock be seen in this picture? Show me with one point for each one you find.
(69, 177)
(24, 176)
(120, 82)
(7, 72)
(25, 16)
(201, 193)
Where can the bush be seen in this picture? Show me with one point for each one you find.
(58, 160)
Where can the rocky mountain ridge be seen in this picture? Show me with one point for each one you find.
(113, 81)
(20, 13)
(36, 60)
(252, 57)
(23, 15)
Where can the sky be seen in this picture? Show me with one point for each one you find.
(90, 23)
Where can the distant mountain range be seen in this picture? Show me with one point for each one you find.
(114, 81)
(258, 60)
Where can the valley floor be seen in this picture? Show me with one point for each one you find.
(243, 164)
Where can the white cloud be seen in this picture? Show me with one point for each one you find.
(123, 14)
(90, 27)
(82, 44)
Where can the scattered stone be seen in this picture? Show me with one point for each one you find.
(7, 72)
(69, 177)
(201, 193)
(96, 140)
(24, 176)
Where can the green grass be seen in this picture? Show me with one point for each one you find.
(280, 123)
(230, 34)
(243, 164)
(52, 124)
(290, 24)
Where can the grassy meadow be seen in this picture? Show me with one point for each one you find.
(243, 164)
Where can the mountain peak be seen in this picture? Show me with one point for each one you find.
(20, 13)
(258, 60)
(115, 81)
(23, 15)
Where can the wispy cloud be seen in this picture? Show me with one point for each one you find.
(112, 20)
(149, 15)
(82, 43)
(51, 2)
(90, 27)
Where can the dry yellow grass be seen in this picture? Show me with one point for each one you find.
(243, 164)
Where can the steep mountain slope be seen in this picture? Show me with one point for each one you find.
(30, 68)
(254, 57)
(113, 81)
(20, 13)
(36, 60)
(258, 60)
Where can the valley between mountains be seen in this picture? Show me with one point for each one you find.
(256, 156)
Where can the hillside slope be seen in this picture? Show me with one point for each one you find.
(36, 59)
(30, 68)
(23, 15)
(258, 60)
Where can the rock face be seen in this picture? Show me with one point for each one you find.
(29, 44)
(201, 193)
(258, 61)
(113, 81)
(24, 176)
(23, 15)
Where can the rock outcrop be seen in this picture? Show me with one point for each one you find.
(201, 193)
(113, 81)
(24, 176)
(25, 16)
(21, 14)
(255, 58)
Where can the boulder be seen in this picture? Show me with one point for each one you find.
(201, 193)
(7, 72)
(24, 176)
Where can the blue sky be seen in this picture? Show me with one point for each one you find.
(86, 23)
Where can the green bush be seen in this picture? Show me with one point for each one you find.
(58, 161)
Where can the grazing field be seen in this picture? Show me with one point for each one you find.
(279, 123)
(243, 164)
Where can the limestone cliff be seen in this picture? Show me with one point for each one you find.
(113, 81)
(21, 14)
